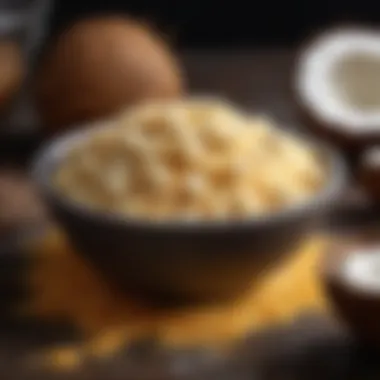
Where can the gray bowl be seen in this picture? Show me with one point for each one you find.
(182, 261)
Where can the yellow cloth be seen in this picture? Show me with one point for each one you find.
(65, 288)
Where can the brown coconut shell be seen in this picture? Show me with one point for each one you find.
(352, 141)
(357, 307)
(20, 206)
(99, 66)
(368, 173)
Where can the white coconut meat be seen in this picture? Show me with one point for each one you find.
(361, 270)
(339, 79)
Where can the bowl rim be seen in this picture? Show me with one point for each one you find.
(51, 154)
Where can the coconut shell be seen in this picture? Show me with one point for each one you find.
(352, 141)
(20, 207)
(99, 66)
(356, 306)
(368, 173)
(351, 144)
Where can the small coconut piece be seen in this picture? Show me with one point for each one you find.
(20, 207)
(337, 87)
(352, 279)
(12, 71)
(369, 172)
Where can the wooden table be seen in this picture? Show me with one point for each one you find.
(259, 81)
(312, 348)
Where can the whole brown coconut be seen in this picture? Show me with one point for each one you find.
(99, 66)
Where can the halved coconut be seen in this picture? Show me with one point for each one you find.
(338, 86)
(352, 279)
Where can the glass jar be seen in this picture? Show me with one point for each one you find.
(23, 22)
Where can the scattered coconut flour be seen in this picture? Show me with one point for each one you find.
(361, 270)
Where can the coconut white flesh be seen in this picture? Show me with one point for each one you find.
(361, 270)
(339, 79)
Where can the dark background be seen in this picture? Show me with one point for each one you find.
(228, 23)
